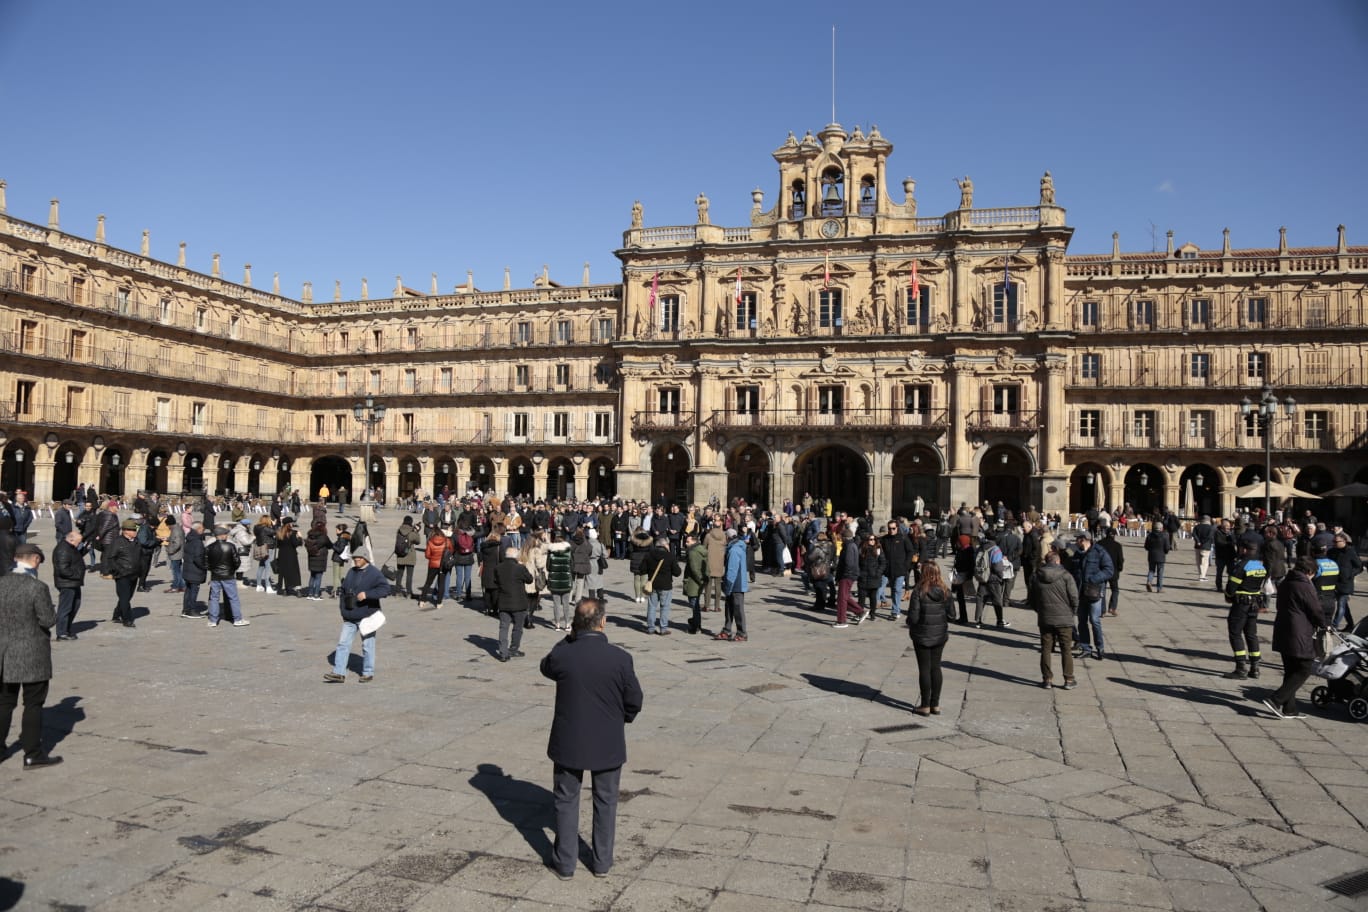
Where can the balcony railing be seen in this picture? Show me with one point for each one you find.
(990, 420)
(819, 419)
(1286, 439)
(648, 421)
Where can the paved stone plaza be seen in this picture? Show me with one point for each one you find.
(214, 770)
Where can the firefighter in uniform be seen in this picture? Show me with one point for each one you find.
(1244, 592)
(1327, 579)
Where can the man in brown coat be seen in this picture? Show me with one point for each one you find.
(715, 540)
(26, 621)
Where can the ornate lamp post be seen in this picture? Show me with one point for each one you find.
(369, 414)
(1267, 409)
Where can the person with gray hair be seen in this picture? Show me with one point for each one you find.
(513, 578)
(26, 621)
(362, 589)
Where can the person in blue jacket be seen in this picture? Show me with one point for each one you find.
(362, 589)
(735, 585)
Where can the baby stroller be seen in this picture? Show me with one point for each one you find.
(1345, 668)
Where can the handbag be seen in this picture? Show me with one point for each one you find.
(1092, 591)
(371, 623)
(956, 578)
(647, 586)
(539, 579)
(1269, 588)
(603, 564)
(260, 552)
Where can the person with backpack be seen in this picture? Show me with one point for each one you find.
(988, 570)
(821, 557)
(463, 566)
(406, 542)
(440, 556)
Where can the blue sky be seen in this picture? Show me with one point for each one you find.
(332, 140)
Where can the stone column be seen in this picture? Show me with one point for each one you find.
(135, 471)
(707, 303)
(90, 468)
(539, 478)
(391, 480)
(1051, 436)
(44, 466)
(427, 476)
(500, 481)
(240, 472)
(960, 406)
(880, 486)
(959, 292)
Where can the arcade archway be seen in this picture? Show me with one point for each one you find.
(114, 462)
(1199, 491)
(66, 472)
(833, 472)
(602, 480)
(333, 471)
(192, 476)
(1087, 488)
(16, 470)
(481, 474)
(1144, 488)
(748, 469)
(560, 480)
(521, 480)
(916, 477)
(671, 481)
(1003, 474)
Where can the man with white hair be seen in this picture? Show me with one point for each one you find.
(513, 578)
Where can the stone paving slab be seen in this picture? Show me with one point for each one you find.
(212, 769)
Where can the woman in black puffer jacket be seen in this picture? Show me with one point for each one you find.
(928, 624)
(490, 555)
(1294, 628)
(873, 564)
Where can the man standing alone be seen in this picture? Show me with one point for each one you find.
(121, 561)
(26, 619)
(68, 572)
(597, 693)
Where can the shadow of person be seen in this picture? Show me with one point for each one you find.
(355, 663)
(527, 806)
(1197, 695)
(488, 644)
(987, 672)
(857, 690)
(61, 718)
(11, 891)
(628, 621)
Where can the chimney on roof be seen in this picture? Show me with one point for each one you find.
(247, 275)
(365, 289)
(434, 284)
(307, 296)
(217, 272)
(585, 280)
(1116, 245)
(1225, 242)
(337, 289)
(1170, 243)
(1282, 240)
(1340, 246)
(3, 204)
(398, 286)
(275, 284)
(508, 278)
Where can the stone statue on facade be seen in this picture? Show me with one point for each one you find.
(702, 203)
(800, 322)
(966, 187)
(636, 214)
(1047, 197)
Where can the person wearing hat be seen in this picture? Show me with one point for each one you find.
(362, 589)
(221, 558)
(287, 557)
(122, 560)
(26, 621)
(194, 570)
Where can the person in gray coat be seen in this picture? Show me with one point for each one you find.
(26, 621)
(1054, 596)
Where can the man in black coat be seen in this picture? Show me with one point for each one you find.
(122, 557)
(194, 570)
(597, 693)
(68, 572)
(26, 617)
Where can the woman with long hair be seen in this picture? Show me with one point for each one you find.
(872, 567)
(287, 558)
(533, 557)
(928, 625)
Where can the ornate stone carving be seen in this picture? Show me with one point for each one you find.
(916, 359)
(636, 214)
(1047, 194)
(1005, 357)
(828, 361)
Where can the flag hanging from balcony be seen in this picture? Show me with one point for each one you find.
(916, 286)
(738, 284)
(1006, 279)
(655, 287)
(826, 271)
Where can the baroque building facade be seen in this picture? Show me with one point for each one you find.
(840, 345)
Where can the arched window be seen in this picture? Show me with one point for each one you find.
(867, 195)
(799, 198)
(833, 192)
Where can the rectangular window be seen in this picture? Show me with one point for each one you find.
(78, 291)
(1253, 425)
(669, 313)
(378, 339)
(1143, 312)
(374, 382)
(344, 341)
(29, 342)
(1256, 367)
(411, 337)
(28, 278)
(1090, 424)
(234, 327)
(603, 425)
(164, 310)
(917, 311)
(1317, 366)
(78, 348)
(1256, 311)
(123, 399)
(563, 375)
(524, 333)
(745, 311)
(1316, 311)
(747, 400)
(1142, 424)
(563, 331)
(319, 427)
(668, 400)
(340, 425)
(829, 307)
(916, 399)
(201, 363)
(1006, 399)
(1199, 425)
(605, 329)
(1199, 367)
(123, 300)
(340, 383)
(1199, 311)
(164, 415)
(520, 425)
(560, 425)
(1091, 313)
(1090, 366)
(201, 318)
(444, 379)
(24, 396)
(522, 375)
(830, 400)
(410, 380)
(198, 417)
(1316, 425)
(1005, 304)
(408, 425)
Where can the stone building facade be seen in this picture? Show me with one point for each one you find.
(840, 344)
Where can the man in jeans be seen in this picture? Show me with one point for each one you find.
(222, 559)
(1203, 538)
(1093, 568)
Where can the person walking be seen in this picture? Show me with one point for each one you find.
(68, 574)
(1298, 617)
(817, 570)
(221, 558)
(873, 566)
(1112, 545)
(1157, 547)
(1349, 568)
(1054, 598)
(597, 695)
(512, 578)
(1203, 540)
(1244, 592)
(439, 555)
(847, 575)
(928, 626)
(362, 589)
(26, 622)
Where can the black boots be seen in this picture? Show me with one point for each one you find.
(1239, 673)
(1253, 666)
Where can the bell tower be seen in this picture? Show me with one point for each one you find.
(832, 175)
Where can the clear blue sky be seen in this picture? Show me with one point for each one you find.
(339, 139)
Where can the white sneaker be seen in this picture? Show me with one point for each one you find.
(241, 622)
(839, 626)
(213, 623)
(260, 588)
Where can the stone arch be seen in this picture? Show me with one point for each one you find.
(16, 469)
(1199, 491)
(602, 478)
(1088, 485)
(332, 470)
(1144, 488)
(748, 473)
(66, 470)
(671, 478)
(834, 469)
(560, 479)
(522, 481)
(1005, 469)
(916, 470)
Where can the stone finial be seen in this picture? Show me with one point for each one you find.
(636, 213)
(1340, 246)
(546, 274)
(1225, 242)
(1047, 195)
(508, 278)
(99, 229)
(470, 281)
(54, 222)
(909, 189)
(337, 289)
(307, 296)
(365, 289)
(247, 275)
(434, 284)
(757, 199)
(398, 286)
(3, 204)
(180, 256)
(1282, 239)
(146, 247)
(217, 270)
(1116, 245)
(275, 284)
(1170, 243)
(585, 279)
(966, 188)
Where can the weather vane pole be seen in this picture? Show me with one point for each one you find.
(833, 74)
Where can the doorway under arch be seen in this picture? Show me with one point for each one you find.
(1003, 474)
(333, 471)
(481, 474)
(1199, 491)
(671, 480)
(521, 477)
(916, 476)
(602, 480)
(226, 477)
(835, 472)
(16, 471)
(1087, 488)
(66, 472)
(1144, 488)
(192, 476)
(560, 480)
(113, 463)
(748, 469)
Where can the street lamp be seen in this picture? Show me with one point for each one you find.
(1267, 409)
(369, 414)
